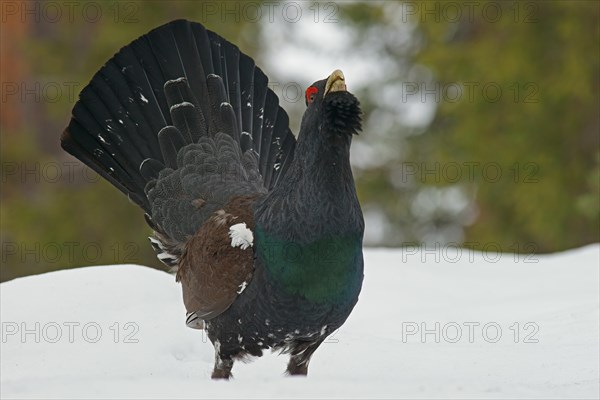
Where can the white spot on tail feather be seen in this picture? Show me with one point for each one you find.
(170, 81)
(241, 236)
(182, 104)
(145, 100)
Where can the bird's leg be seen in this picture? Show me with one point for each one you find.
(297, 366)
(300, 357)
(223, 366)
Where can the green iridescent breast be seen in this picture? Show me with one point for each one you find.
(328, 270)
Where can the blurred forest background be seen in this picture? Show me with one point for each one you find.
(481, 121)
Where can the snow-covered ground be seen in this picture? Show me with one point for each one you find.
(429, 324)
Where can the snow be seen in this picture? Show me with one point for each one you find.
(119, 332)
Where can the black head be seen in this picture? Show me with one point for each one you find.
(331, 109)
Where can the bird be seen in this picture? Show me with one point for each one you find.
(263, 231)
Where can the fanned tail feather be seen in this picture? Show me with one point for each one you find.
(176, 87)
(178, 75)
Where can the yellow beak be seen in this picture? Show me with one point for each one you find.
(335, 83)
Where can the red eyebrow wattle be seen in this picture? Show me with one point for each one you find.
(309, 92)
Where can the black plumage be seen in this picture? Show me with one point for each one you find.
(265, 232)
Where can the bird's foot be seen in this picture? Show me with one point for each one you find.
(301, 352)
(222, 368)
(221, 374)
(295, 369)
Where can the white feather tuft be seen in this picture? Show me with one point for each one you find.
(241, 236)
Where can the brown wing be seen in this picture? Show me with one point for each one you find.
(213, 272)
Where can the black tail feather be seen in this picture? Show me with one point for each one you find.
(232, 61)
(268, 127)
(287, 151)
(246, 98)
(140, 96)
(260, 94)
(150, 168)
(171, 140)
(159, 94)
(217, 95)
